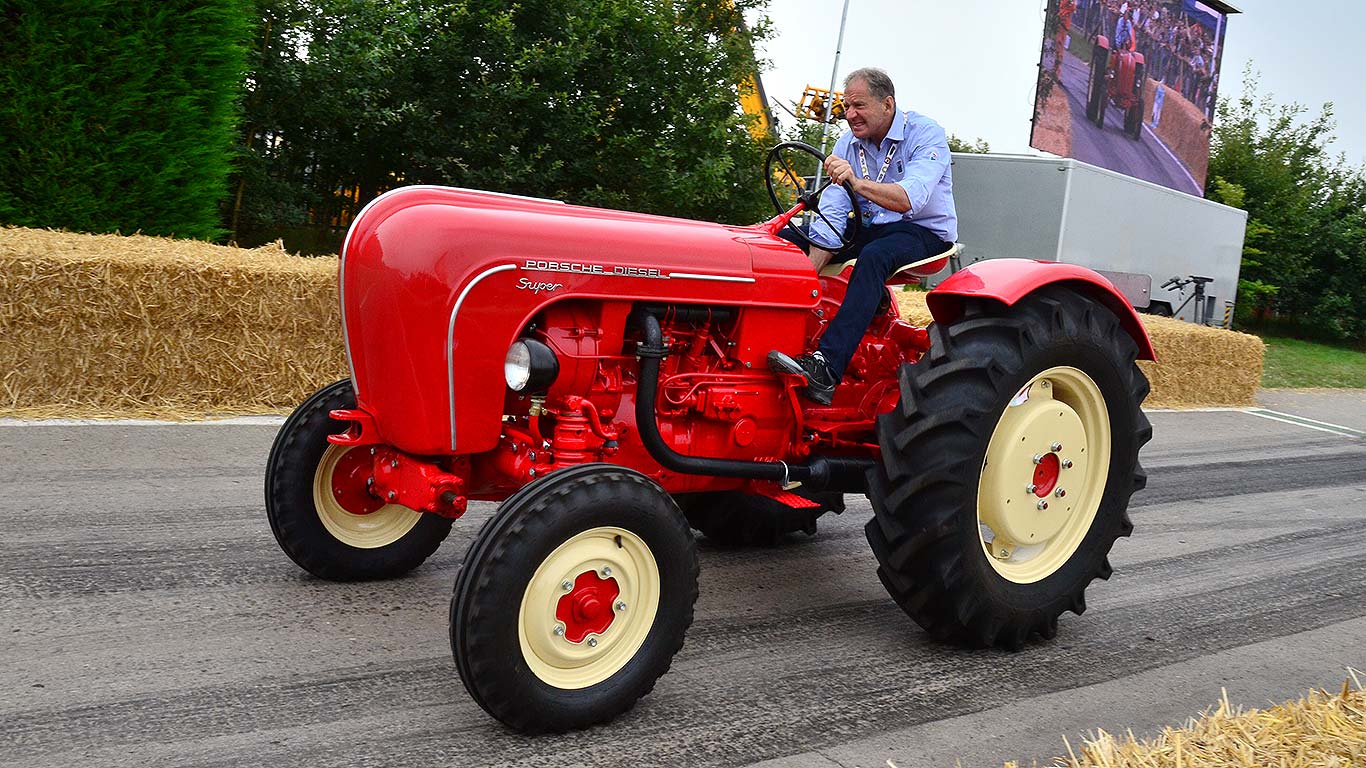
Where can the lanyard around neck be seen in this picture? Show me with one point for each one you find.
(863, 162)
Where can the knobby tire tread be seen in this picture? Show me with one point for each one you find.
(925, 488)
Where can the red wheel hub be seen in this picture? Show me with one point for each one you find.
(1046, 475)
(349, 487)
(588, 608)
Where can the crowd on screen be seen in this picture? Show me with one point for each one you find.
(1178, 50)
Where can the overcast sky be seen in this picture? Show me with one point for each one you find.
(971, 64)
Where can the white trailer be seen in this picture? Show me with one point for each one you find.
(1137, 234)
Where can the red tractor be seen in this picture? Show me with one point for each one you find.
(999, 447)
(1118, 77)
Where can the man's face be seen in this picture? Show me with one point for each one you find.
(868, 117)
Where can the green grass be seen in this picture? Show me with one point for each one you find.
(1295, 363)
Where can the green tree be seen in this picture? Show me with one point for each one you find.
(1305, 252)
(119, 114)
(977, 146)
(617, 103)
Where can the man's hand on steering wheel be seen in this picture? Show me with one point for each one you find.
(777, 165)
(839, 170)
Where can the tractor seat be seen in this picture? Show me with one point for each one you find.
(907, 275)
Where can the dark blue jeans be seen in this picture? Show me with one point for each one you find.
(880, 249)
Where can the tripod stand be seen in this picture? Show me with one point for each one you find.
(1201, 306)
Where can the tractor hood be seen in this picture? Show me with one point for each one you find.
(436, 283)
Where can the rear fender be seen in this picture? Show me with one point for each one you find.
(1009, 280)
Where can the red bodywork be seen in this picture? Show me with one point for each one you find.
(437, 283)
(1124, 69)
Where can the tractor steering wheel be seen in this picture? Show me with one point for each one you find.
(794, 186)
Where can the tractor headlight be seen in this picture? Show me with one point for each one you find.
(530, 366)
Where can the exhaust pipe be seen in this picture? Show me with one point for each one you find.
(821, 473)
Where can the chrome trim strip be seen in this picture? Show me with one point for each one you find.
(718, 278)
(450, 337)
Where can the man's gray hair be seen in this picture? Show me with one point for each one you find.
(878, 82)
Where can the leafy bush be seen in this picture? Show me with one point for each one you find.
(119, 114)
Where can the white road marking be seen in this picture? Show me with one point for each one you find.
(1300, 421)
(1199, 190)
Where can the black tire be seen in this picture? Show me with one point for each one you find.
(926, 533)
(735, 519)
(295, 519)
(495, 584)
(1098, 95)
(1133, 120)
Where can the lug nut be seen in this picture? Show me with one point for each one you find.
(1055, 447)
(1060, 493)
(558, 630)
(621, 606)
(1003, 554)
(566, 585)
(592, 642)
(1038, 458)
(606, 571)
(1031, 488)
(1066, 463)
(338, 491)
(1043, 504)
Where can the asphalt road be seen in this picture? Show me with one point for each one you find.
(1111, 148)
(149, 619)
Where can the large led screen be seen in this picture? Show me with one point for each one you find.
(1131, 86)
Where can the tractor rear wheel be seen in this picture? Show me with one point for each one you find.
(320, 511)
(736, 519)
(1007, 467)
(573, 599)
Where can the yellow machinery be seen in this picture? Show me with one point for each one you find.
(815, 104)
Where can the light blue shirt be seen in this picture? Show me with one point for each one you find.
(1124, 29)
(921, 167)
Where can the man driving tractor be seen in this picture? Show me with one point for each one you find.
(907, 212)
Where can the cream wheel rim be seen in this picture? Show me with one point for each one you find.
(1044, 475)
(600, 560)
(379, 528)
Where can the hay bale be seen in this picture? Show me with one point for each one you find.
(101, 325)
(1053, 122)
(1320, 730)
(1196, 366)
(1183, 128)
(105, 325)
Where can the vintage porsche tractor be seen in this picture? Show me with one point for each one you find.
(602, 374)
(1116, 76)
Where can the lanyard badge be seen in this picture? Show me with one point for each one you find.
(881, 174)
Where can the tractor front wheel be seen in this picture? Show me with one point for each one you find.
(573, 599)
(1007, 467)
(320, 509)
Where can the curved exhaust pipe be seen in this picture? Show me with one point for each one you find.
(836, 473)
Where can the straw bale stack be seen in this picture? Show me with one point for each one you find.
(112, 325)
(1196, 366)
(105, 325)
(1321, 730)
(1183, 128)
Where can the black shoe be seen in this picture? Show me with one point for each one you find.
(820, 381)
